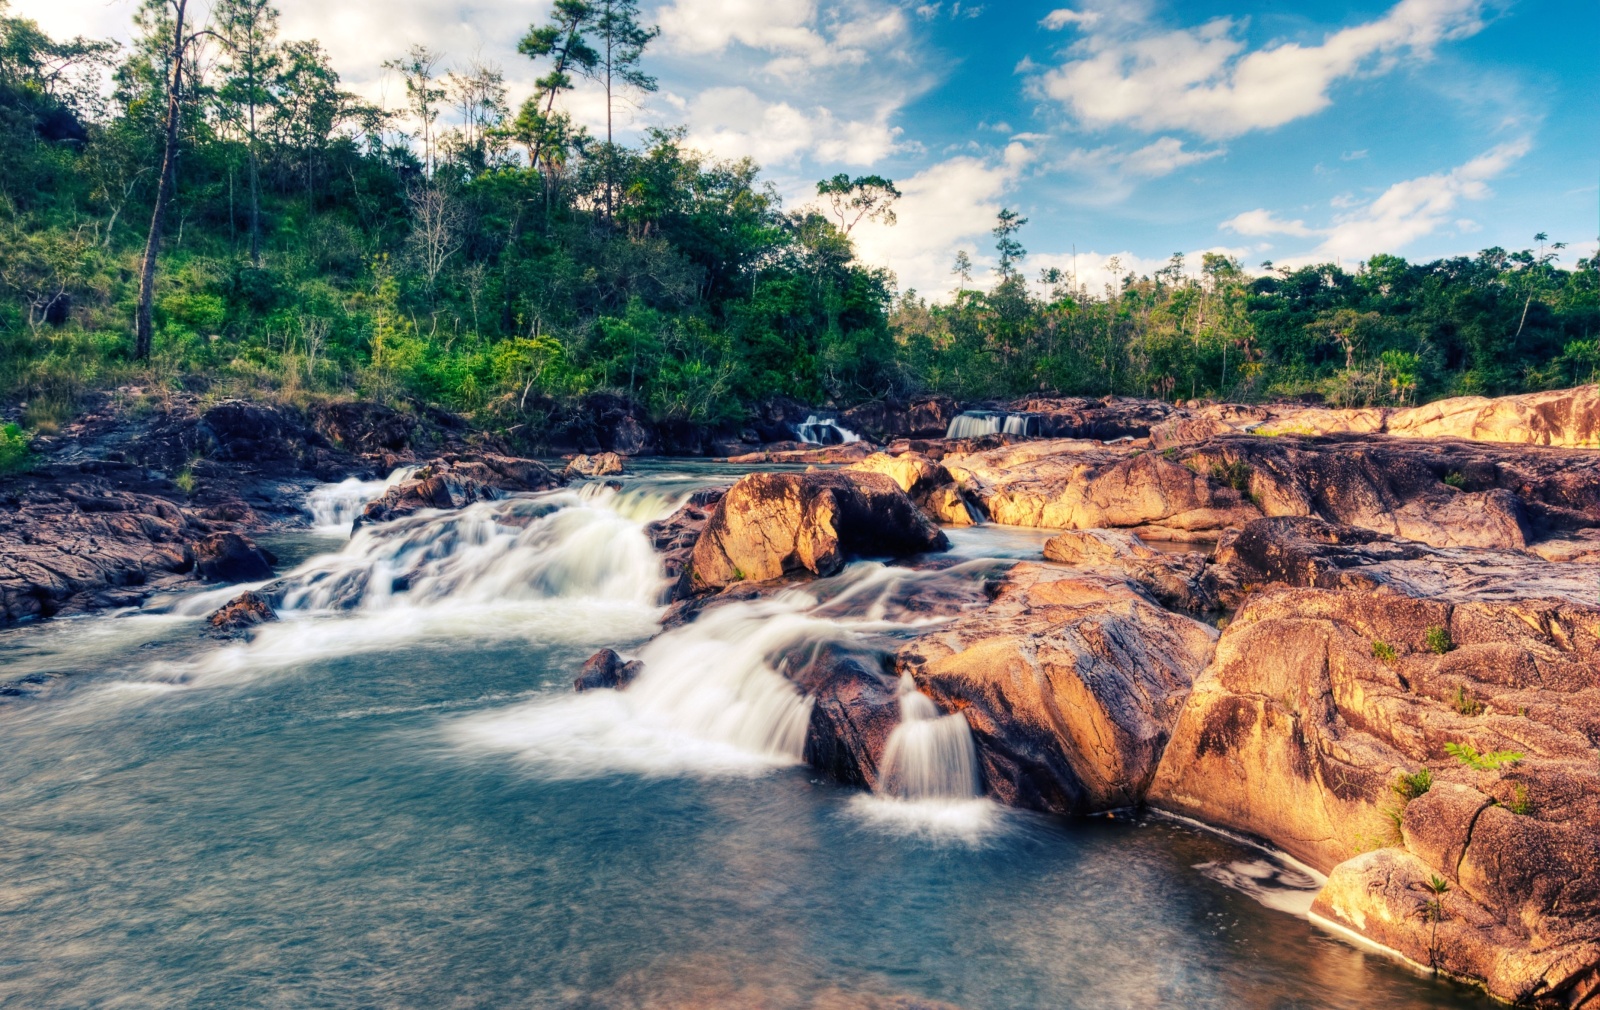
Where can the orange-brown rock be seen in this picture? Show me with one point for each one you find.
(600, 465)
(1071, 682)
(771, 524)
(1183, 581)
(1319, 701)
(241, 613)
(928, 483)
(1560, 417)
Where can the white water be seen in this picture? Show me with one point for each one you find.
(334, 507)
(824, 431)
(976, 423)
(929, 756)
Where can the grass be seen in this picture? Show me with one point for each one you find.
(1409, 787)
(1382, 650)
(1235, 475)
(14, 452)
(185, 479)
(1464, 703)
(1485, 762)
(1519, 803)
(1438, 640)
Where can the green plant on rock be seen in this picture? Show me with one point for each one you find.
(1464, 703)
(1519, 803)
(1455, 479)
(1235, 475)
(1383, 651)
(1486, 762)
(14, 452)
(1433, 912)
(185, 479)
(1438, 640)
(1409, 787)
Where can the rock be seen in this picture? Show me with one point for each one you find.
(1076, 547)
(630, 438)
(606, 669)
(230, 557)
(453, 482)
(930, 417)
(1318, 701)
(1182, 581)
(675, 536)
(241, 613)
(1324, 421)
(1101, 419)
(1559, 417)
(855, 708)
(768, 525)
(928, 484)
(1071, 682)
(849, 452)
(1079, 485)
(603, 465)
(360, 427)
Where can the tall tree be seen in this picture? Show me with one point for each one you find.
(249, 30)
(621, 41)
(565, 43)
(143, 324)
(423, 95)
(479, 95)
(869, 198)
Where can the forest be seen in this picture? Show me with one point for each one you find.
(208, 209)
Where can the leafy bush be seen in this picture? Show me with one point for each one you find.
(1383, 651)
(1487, 762)
(1464, 703)
(14, 452)
(1438, 640)
(1409, 787)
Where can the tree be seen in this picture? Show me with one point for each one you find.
(308, 108)
(868, 198)
(143, 324)
(962, 270)
(249, 30)
(1007, 224)
(621, 42)
(479, 95)
(423, 96)
(564, 42)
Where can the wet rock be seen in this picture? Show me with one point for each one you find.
(1183, 581)
(1070, 681)
(231, 557)
(360, 427)
(848, 452)
(855, 707)
(454, 482)
(606, 669)
(768, 525)
(602, 465)
(630, 438)
(675, 536)
(1101, 419)
(1319, 701)
(241, 613)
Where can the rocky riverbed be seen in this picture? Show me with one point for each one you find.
(1368, 639)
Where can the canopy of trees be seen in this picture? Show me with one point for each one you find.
(498, 259)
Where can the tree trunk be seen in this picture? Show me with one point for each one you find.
(255, 184)
(147, 273)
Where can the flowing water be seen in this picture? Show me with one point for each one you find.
(824, 431)
(393, 798)
(977, 423)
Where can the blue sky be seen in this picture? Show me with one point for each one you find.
(1274, 130)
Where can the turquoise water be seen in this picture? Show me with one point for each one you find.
(407, 807)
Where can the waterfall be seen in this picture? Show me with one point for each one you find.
(930, 756)
(824, 431)
(334, 507)
(977, 423)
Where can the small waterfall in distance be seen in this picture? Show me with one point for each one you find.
(929, 756)
(824, 431)
(977, 423)
(334, 507)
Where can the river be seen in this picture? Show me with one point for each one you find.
(402, 803)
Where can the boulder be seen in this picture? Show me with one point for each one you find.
(1103, 419)
(1183, 581)
(772, 524)
(241, 613)
(602, 465)
(1313, 724)
(1559, 417)
(231, 557)
(1068, 484)
(675, 536)
(929, 484)
(1071, 682)
(606, 669)
(363, 427)
(855, 708)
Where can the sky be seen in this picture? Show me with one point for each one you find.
(1281, 131)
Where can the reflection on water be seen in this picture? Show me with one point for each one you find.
(406, 806)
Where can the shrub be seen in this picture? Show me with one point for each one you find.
(1519, 803)
(1235, 475)
(1456, 479)
(1438, 640)
(1463, 702)
(185, 479)
(1384, 651)
(14, 452)
(1409, 787)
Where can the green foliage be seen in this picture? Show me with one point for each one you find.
(1455, 479)
(1487, 762)
(1438, 640)
(14, 452)
(1383, 651)
(1464, 703)
(1236, 475)
(1410, 786)
(1519, 803)
(185, 479)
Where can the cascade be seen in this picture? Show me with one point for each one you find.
(334, 507)
(977, 423)
(824, 431)
(929, 756)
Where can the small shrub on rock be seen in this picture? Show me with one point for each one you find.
(1438, 640)
(1383, 651)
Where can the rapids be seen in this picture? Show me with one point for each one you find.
(392, 797)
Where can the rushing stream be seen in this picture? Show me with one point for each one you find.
(393, 798)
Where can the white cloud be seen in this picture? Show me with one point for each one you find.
(1109, 174)
(1204, 80)
(1094, 271)
(944, 208)
(1059, 19)
(735, 122)
(1402, 214)
(1263, 222)
(795, 32)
